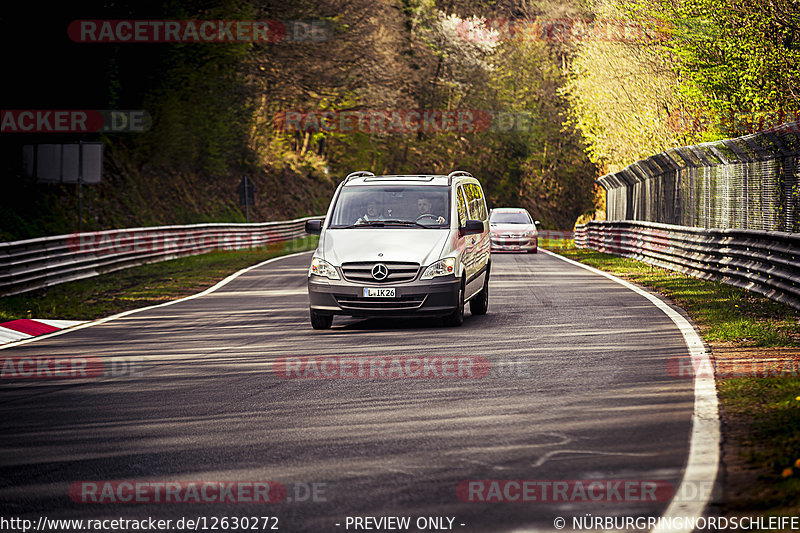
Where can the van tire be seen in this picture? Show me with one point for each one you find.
(479, 303)
(456, 318)
(319, 321)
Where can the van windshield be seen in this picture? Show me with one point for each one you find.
(392, 205)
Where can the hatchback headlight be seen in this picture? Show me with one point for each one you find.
(322, 268)
(443, 267)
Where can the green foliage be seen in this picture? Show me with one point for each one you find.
(771, 408)
(698, 70)
(739, 61)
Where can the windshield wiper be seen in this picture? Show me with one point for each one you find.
(390, 222)
(406, 223)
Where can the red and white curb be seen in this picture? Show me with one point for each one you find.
(25, 328)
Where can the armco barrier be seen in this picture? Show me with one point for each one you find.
(766, 262)
(37, 263)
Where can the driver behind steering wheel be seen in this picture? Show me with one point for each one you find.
(373, 213)
(425, 210)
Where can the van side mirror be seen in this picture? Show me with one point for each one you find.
(314, 227)
(537, 223)
(472, 227)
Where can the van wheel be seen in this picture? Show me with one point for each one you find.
(319, 321)
(480, 302)
(456, 318)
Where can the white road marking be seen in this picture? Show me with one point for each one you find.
(132, 311)
(700, 474)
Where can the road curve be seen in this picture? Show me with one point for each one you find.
(585, 394)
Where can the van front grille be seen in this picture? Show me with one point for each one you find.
(397, 272)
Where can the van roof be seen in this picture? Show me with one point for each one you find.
(365, 178)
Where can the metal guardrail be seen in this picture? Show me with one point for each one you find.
(766, 262)
(36, 263)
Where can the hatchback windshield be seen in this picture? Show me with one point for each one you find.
(509, 218)
(392, 205)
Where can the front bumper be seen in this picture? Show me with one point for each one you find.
(436, 297)
(519, 244)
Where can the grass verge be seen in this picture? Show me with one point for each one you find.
(140, 286)
(756, 347)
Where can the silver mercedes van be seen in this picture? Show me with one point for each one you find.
(401, 246)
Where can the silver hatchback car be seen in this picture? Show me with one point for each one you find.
(513, 230)
(401, 246)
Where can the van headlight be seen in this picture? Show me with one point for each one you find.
(322, 268)
(442, 267)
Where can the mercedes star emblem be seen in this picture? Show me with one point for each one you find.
(379, 271)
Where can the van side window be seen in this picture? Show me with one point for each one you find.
(462, 208)
(475, 201)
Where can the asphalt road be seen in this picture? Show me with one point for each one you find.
(584, 394)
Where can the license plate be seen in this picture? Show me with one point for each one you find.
(378, 292)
